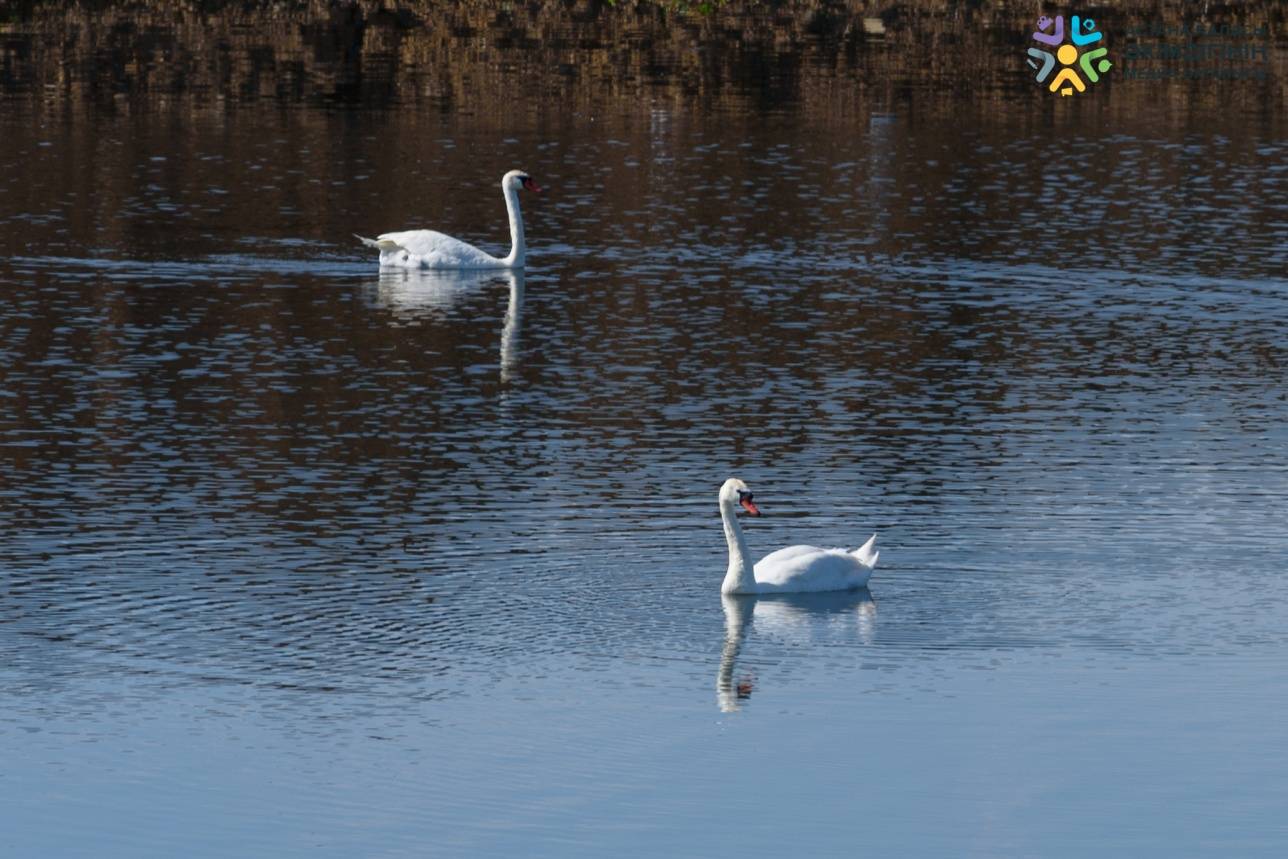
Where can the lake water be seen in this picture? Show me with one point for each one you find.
(301, 558)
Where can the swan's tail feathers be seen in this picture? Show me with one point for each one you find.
(379, 244)
(866, 554)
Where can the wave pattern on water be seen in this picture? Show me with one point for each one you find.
(237, 454)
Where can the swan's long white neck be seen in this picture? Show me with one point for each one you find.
(517, 247)
(740, 578)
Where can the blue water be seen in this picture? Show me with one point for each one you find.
(304, 559)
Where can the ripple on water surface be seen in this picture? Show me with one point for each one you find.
(244, 469)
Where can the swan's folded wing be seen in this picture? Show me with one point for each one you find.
(800, 569)
(434, 248)
(782, 556)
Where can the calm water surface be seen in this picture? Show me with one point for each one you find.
(302, 558)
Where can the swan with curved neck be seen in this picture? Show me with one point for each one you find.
(796, 569)
(429, 249)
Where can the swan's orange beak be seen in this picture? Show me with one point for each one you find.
(532, 186)
(751, 509)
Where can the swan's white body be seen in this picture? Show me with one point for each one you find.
(796, 569)
(430, 249)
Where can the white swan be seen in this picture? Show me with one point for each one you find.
(428, 249)
(796, 569)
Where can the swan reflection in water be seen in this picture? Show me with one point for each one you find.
(513, 324)
(413, 295)
(794, 619)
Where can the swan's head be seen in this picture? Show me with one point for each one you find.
(735, 491)
(517, 179)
